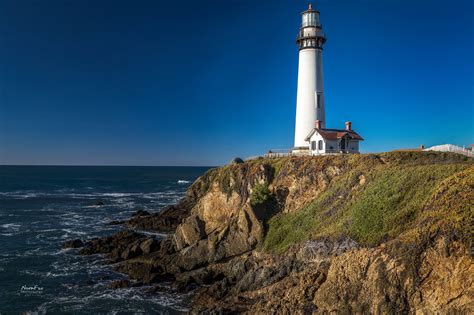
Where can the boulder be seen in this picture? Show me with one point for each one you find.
(140, 213)
(164, 221)
(149, 245)
(189, 232)
(236, 160)
(119, 284)
(73, 244)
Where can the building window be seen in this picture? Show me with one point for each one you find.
(313, 145)
(318, 100)
(320, 144)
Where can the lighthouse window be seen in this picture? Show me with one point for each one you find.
(318, 100)
(305, 20)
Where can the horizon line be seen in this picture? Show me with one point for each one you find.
(91, 165)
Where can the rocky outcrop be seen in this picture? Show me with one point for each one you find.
(378, 280)
(121, 246)
(165, 221)
(217, 236)
(77, 243)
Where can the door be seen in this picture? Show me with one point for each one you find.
(343, 144)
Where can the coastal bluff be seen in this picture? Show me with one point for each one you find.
(369, 233)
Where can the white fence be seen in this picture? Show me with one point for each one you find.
(286, 152)
(451, 148)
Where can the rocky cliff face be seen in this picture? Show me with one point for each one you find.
(388, 233)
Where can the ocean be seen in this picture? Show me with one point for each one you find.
(43, 206)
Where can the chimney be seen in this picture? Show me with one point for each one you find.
(318, 124)
(348, 125)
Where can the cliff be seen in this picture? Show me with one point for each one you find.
(379, 233)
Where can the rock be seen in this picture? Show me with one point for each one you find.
(159, 289)
(140, 213)
(122, 245)
(236, 160)
(89, 282)
(166, 220)
(99, 203)
(131, 251)
(189, 232)
(149, 245)
(217, 243)
(116, 222)
(119, 284)
(73, 244)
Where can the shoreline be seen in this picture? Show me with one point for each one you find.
(224, 246)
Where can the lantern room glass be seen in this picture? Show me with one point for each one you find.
(310, 18)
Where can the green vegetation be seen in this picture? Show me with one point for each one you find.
(260, 194)
(449, 210)
(375, 197)
(372, 203)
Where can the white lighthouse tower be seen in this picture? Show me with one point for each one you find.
(310, 96)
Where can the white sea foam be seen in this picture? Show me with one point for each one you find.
(11, 227)
(81, 303)
(182, 181)
(160, 235)
(73, 232)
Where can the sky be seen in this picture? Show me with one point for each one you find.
(111, 82)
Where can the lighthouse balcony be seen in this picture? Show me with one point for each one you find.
(310, 35)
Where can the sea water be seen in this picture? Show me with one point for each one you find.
(43, 206)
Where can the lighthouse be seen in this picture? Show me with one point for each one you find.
(312, 137)
(310, 95)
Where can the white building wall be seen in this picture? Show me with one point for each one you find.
(305, 98)
(310, 88)
(353, 146)
(316, 137)
(331, 146)
(321, 110)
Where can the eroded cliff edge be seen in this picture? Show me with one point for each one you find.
(379, 233)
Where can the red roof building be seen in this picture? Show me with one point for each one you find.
(325, 140)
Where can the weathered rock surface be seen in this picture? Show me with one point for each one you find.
(121, 246)
(73, 244)
(119, 284)
(217, 232)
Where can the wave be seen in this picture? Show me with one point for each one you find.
(11, 227)
(114, 196)
(138, 301)
(182, 181)
(73, 232)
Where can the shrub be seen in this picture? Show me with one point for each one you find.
(260, 194)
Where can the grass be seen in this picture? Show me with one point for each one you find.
(449, 210)
(391, 198)
(376, 197)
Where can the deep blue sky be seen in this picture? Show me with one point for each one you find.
(200, 82)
